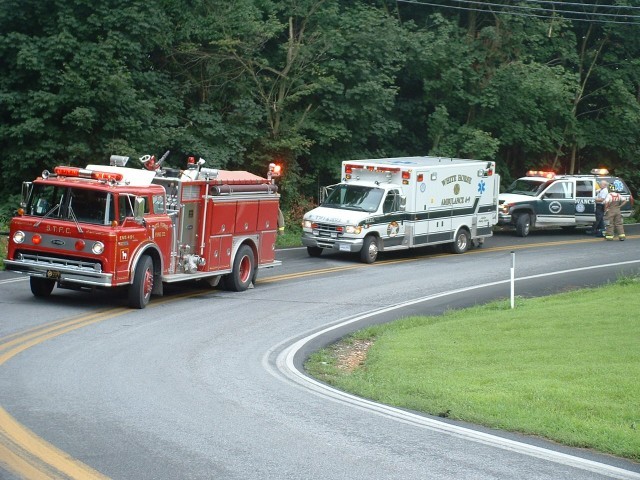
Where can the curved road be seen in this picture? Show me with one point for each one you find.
(207, 384)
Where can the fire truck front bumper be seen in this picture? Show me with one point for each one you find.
(60, 269)
(336, 244)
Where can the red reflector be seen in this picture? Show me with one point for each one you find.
(420, 177)
(107, 176)
(67, 171)
(406, 174)
(79, 245)
(37, 239)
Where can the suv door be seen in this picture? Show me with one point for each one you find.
(557, 204)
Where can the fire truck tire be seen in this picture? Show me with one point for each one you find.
(243, 271)
(369, 251)
(523, 225)
(140, 289)
(314, 251)
(41, 287)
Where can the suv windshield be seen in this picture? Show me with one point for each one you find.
(528, 186)
(354, 197)
(74, 204)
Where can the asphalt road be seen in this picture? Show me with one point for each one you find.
(207, 384)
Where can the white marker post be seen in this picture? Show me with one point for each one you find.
(513, 279)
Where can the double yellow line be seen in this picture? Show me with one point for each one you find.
(22, 451)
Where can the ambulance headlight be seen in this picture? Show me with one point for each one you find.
(18, 237)
(353, 230)
(306, 223)
(97, 248)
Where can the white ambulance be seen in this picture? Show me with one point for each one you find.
(400, 203)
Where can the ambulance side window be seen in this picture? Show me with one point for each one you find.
(391, 202)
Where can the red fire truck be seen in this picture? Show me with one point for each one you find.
(112, 226)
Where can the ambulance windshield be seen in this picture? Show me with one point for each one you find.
(68, 203)
(354, 197)
(528, 186)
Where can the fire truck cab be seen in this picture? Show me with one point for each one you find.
(110, 226)
(543, 199)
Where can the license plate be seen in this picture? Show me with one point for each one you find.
(334, 235)
(345, 248)
(315, 232)
(53, 274)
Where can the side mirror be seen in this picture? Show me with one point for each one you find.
(138, 210)
(26, 191)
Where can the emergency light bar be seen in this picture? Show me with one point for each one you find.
(541, 173)
(84, 173)
(599, 171)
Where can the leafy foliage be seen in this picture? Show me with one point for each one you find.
(311, 83)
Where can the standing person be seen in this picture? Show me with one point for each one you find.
(612, 205)
(601, 195)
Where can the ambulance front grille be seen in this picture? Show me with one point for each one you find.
(326, 230)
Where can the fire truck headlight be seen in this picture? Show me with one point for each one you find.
(97, 248)
(353, 230)
(307, 224)
(18, 237)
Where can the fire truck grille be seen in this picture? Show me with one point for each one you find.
(58, 263)
(326, 230)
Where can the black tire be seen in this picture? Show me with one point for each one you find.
(41, 287)
(140, 289)
(243, 271)
(314, 251)
(461, 242)
(369, 251)
(523, 225)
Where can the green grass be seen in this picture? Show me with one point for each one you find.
(564, 367)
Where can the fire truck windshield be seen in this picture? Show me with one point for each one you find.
(528, 186)
(73, 204)
(354, 197)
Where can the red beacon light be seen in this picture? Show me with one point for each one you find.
(541, 173)
(84, 173)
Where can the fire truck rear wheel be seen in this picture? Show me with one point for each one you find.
(140, 289)
(41, 287)
(461, 242)
(369, 251)
(314, 251)
(243, 271)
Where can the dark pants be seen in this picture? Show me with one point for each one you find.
(599, 224)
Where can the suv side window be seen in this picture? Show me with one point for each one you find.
(560, 190)
(584, 188)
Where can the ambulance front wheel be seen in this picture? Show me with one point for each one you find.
(41, 287)
(369, 251)
(243, 271)
(140, 289)
(314, 251)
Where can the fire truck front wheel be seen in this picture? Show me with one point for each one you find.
(41, 287)
(140, 289)
(243, 271)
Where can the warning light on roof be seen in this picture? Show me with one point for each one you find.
(541, 173)
(599, 171)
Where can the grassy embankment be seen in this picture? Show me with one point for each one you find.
(564, 367)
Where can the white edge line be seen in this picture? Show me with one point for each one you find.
(286, 366)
